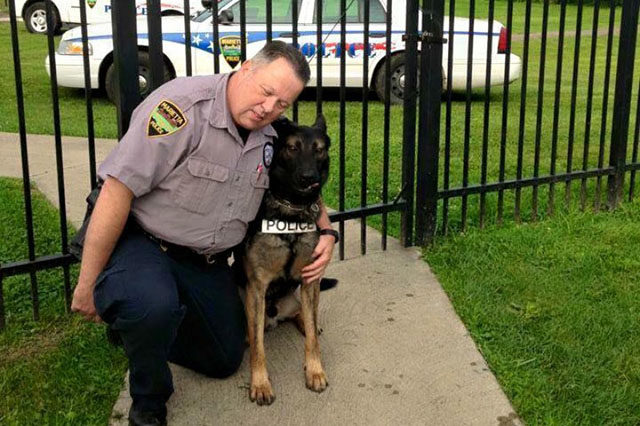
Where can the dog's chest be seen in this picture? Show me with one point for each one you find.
(284, 248)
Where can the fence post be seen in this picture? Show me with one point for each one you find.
(622, 100)
(154, 29)
(409, 121)
(125, 57)
(429, 121)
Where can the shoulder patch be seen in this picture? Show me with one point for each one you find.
(165, 119)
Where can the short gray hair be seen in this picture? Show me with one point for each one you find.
(278, 49)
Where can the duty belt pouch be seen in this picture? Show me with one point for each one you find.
(76, 244)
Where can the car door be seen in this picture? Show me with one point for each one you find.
(229, 41)
(355, 49)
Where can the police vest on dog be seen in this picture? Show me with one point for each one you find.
(272, 226)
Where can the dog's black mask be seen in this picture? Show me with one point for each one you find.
(300, 165)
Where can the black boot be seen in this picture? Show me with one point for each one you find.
(147, 418)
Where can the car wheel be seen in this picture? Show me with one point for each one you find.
(35, 18)
(171, 12)
(144, 78)
(397, 79)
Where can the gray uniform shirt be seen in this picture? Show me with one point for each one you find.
(195, 182)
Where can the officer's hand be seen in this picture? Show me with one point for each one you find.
(83, 303)
(322, 256)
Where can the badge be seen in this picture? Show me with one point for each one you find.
(267, 154)
(91, 3)
(231, 48)
(165, 119)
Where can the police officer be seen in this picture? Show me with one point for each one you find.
(178, 192)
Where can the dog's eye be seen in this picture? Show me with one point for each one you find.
(319, 150)
(292, 148)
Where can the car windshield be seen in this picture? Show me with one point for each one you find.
(205, 14)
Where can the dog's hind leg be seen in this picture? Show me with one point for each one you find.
(315, 376)
(261, 390)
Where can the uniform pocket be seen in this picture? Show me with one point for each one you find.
(202, 184)
(259, 184)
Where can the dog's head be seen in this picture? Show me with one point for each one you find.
(300, 163)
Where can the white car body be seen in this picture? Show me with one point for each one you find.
(99, 11)
(70, 67)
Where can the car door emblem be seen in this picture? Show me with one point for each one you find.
(231, 50)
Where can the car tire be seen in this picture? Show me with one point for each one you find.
(171, 12)
(144, 77)
(397, 79)
(35, 18)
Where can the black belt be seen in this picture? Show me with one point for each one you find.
(181, 253)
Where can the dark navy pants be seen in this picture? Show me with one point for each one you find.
(169, 310)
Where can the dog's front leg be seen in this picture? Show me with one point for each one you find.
(314, 373)
(261, 390)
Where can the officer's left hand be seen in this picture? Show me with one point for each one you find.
(322, 256)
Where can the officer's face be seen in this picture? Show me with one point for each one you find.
(261, 93)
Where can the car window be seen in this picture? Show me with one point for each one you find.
(355, 11)
(256, 11)
(205, 14)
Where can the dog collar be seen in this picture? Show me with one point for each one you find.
(314, 207)
(275, 226)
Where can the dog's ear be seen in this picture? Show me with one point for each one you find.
(281, 125)
(320, 123)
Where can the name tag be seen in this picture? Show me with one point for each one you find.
(272, 226)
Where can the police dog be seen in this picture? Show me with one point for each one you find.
(273, 259)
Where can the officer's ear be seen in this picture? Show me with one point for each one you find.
(246, 66)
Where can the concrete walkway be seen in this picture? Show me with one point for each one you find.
(394, 349)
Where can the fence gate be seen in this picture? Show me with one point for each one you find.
(505, 158)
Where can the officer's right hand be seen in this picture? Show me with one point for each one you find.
(83, 303)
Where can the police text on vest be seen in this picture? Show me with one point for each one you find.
(273, 226)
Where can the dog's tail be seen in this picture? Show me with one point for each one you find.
(328, 283)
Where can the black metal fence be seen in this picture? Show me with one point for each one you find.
(486, 166)
(449, 157)
(127, 47)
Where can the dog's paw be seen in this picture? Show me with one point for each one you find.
(262, 393)
(316, 381)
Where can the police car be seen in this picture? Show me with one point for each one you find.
(67, 12)
(70, 67)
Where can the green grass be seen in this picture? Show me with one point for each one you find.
(37, 93)
(58, 370)
(554, 308)
(519, 9)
